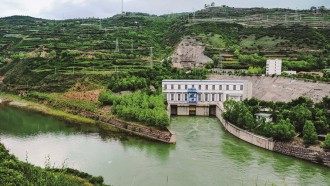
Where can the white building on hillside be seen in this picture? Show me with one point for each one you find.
(274, 66)
(206, 91)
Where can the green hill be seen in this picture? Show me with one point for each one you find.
(54, 54)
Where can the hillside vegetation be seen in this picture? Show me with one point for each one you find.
(15, 172)
(35, 51)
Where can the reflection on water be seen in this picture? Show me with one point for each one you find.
(205, 154)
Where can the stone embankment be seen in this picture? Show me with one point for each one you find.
(280, 88)
(164, 136)
(144, 131)
(316, 156)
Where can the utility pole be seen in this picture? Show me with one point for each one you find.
(194, 16)
(122, 6)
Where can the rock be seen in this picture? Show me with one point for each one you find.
(18, 104)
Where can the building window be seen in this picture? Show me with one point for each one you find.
(172, 97)
(199, 87)
(192, 86)
(206, 97)
(220, 87)
(179, 87)
(213, 87)
(212, 97)
(179, 97)
(199, 97)
(186, 87)
(206, 87)
(234, 87)
(172, 87)
(241, 87)
(227, 87)
(185, 97)
(165, 87)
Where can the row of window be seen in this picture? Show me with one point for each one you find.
(206, 97)
(206, 87)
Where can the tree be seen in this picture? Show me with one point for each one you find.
(299, 115)
(322, 9)
(326, 143)
(283, 130)
(53, 53)
(320, 121)
(309, 133)
(245, 119)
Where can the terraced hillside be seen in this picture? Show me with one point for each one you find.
(48, 55)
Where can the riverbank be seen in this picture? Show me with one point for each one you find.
(91, 118)
(316, 156)
(15, 172)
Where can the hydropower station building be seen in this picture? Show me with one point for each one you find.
(199, 97)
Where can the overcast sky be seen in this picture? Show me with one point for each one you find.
(64, 9)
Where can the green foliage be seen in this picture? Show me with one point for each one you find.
(299, 115)
(74, 106)
(255, 70)
(15, 172)
(108, 98)
(283, 130)
(309, 133)
(326, 143)
(119, 83)
(253, 59)
(289, 118)
(238, 113)
(140, 107)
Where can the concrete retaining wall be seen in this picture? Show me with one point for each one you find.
(243, 134)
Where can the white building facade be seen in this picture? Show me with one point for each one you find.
(274, 66)
(206, 91)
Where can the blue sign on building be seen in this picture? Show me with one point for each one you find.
(192, 95)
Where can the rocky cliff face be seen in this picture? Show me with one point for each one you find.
(189, 53)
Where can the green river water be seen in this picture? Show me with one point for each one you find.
(205, 154)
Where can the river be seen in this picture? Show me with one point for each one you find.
(205, 154)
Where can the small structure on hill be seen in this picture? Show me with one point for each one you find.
(264, 117)
(274, 66)
(290, 72)
(189, 54)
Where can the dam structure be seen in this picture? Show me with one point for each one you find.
(200, 97)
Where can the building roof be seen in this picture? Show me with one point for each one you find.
(266, 115)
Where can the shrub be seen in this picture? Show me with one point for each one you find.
(326, 143)
(309, 133)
